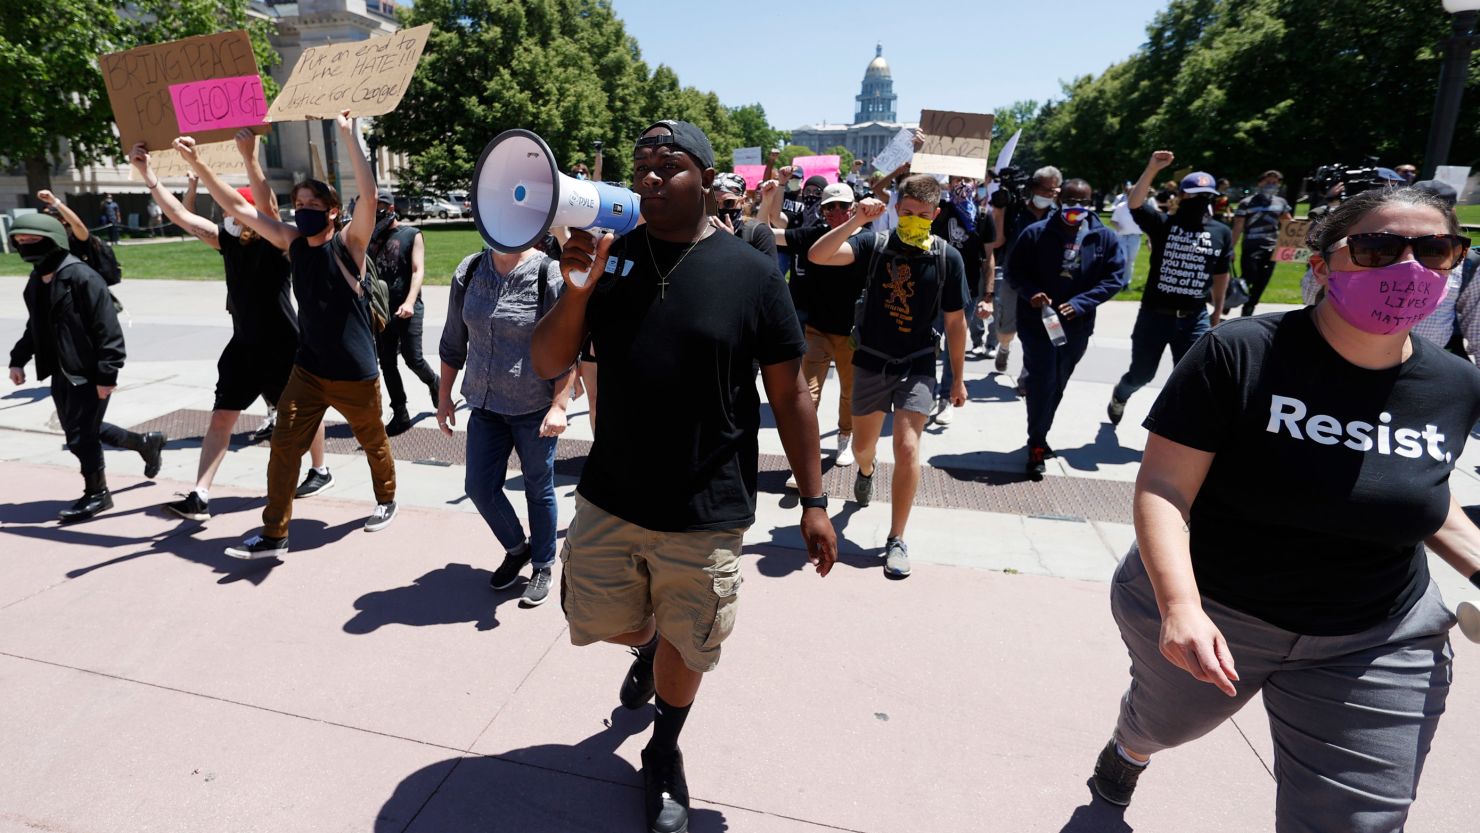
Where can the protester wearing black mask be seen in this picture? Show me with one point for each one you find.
(72, 332)
(400, 259)
(729, 191)
(335, 363)
(1190, 252)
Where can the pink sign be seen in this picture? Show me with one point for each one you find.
(823, 166)
(752, 174)
(219, 103)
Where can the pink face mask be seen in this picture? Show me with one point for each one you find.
(1388, 299)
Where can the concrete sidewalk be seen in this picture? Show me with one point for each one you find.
(374, 683)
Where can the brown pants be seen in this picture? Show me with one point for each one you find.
(824, 349)
(300, 410)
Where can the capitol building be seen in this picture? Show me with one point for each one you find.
(874, 117)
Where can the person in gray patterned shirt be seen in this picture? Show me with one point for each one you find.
(495, 302)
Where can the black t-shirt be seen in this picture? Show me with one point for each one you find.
(391, 250)
(336, 341)
(258, 278)
(1261, 219)
(827, 293)
(971, 244)
(1327, 477)
(758, 236)
(900, 315)
(1185, 255)
(676, 443)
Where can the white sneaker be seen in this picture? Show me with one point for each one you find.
(946, 414)
(845, 450)
(381, 518)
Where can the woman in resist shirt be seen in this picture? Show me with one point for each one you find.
(1297, 465)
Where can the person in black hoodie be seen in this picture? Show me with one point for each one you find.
(72, 333)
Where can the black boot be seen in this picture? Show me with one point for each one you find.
(400, 421)
(153, 452)
(95, 499)
(434, 387)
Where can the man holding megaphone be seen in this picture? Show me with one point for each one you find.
(652, 554)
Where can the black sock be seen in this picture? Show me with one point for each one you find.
(666, 727)
(650, 649)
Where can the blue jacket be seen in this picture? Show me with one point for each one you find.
(1037, 265)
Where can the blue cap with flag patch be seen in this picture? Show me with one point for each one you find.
(1199, 182)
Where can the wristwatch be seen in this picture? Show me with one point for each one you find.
(819, 502)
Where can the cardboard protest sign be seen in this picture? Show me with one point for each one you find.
(219, 104)
(897, 152)
(366, 77)
(746, 156)
(753, 175)
(956, 144)
(139, 81)
(221, 157)
(1290, 246)
(823, 166)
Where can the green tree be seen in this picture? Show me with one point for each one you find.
(53, 88)
(1019, 115)
(752, 128)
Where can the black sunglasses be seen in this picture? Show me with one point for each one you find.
(1376, 249)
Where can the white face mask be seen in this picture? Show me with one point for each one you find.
(1041, 202)
(232, 227)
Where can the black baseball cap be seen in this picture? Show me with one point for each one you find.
(686, 136)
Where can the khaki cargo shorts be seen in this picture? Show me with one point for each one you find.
(615, 574)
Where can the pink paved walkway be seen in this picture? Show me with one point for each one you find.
(373, 683)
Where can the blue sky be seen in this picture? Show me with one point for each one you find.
(964, 56)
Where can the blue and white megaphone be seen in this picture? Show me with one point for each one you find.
(519, 194)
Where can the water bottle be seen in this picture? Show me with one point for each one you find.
(1054, 326)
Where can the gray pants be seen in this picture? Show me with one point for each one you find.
(1352, 717)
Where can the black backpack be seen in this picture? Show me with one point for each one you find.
(375, 288)
(860, 307)
(104, 261)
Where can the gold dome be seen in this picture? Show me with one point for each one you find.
(878, 67)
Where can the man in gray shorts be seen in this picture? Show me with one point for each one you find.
(911, 278)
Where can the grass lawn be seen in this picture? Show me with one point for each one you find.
(1468, 214)
(189, 259)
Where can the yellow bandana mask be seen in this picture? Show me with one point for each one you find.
(914, 231)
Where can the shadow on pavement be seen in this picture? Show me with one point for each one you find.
(1105, 449)
(553, 788)
(26, 396)
(786, 552)
(45, 511)
(1097, 817)
(994, 387)
(445, 596)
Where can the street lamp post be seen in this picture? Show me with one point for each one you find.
(1452, 75)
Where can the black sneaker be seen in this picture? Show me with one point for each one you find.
(315, 483)
(1115, 778)
(192, 508)
(381, 516)
(538, 588)
(1036, 466)
(153, 453)
(1115, 410)
(638, 686)
(264, 433)
(257, 546)
(863, 488)
(666, 791)
(508, 572)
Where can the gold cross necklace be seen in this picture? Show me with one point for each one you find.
(662, 276)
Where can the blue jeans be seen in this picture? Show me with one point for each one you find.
(1154, 332)
(1132, 245)
(491, 437)
(1049, 368)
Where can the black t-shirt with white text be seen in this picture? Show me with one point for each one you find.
(900, 316)
(1326, 478)
(1185, 255)
(676, 446)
